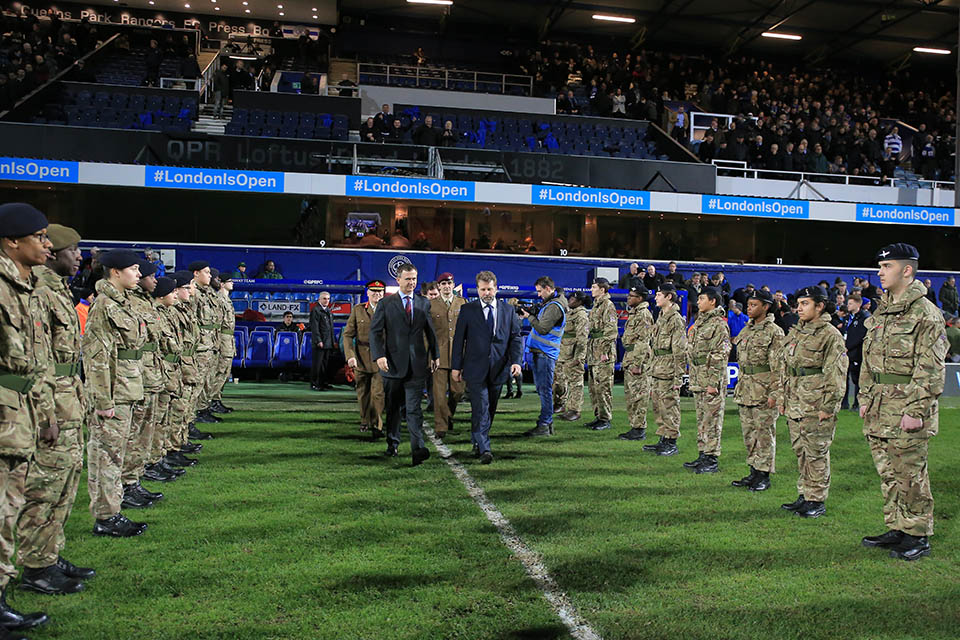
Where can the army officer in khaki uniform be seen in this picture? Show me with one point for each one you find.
(356, 348)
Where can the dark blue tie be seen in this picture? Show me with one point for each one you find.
(490, 318)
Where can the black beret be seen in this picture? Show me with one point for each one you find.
(62, 237)
(183, 278)
(197, 265)
(119, 258)
(667, 287)
(640, 290)
(225, 277)
(164, 286)
(898, 251)
(147, 268)
(816, 293)
(18, 219)
(761, 295)
(214, 272)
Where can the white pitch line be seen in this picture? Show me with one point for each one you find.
(579, 628)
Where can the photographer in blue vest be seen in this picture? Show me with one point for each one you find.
(547, 320)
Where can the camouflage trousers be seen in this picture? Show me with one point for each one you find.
(224, 365)
(636, 389)
(207, 366)
(141, 438)
(13, 477)
(105, 455)
(811, 439)
(601, 389)
(905, 483)
(447, 394)
(666, 407)
(53, 477)
(709, 408)
(568, 385)
(759, 426)
(180, 414)
(161, 434)
(370, 398)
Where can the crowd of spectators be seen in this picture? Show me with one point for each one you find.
(825, 119)
(32, 51)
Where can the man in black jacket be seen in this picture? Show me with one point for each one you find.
(853, 337)
(321, 333)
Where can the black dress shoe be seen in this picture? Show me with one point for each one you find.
(793, 506)
(73, 571)
(391, 452)
(761, 482)
(633, 434)
(133, 500)
(155, 474)
(196, 434)
(811, 509)
(149, 495)
(508, 395)
(13, 620)
(911, 548)
(118, 526)
(191, 447)
(885, 540)
(419, 455)
(176, 471)
(49, 580)
(603, 425)
(693, 464)
(747, 480)
(486, 457)
(176, 458)
(709, 464)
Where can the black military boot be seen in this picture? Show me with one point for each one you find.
(11, 635)
(206, 418)
(761, 482)
(652, 448)
(196, 434)
(149, 495)
(693, 463)
(217, 406)
(13, 620)
(118, 526)
(49, 580)
(633, 434)
(175, 471)
(133, 500)
(811, 509)
(886, 540)
(747, 480)
(595, 422)
(668, 447)
(793, 506)
(155, 473)
(540, 430)
(911, 548)
(177, 459)
(73, 571)
(210, 415)
(709, 464)
(602, 425)
(191, 447)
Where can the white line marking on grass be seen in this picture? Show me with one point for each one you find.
(579, 628)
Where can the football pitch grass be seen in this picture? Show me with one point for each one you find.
(294, 526)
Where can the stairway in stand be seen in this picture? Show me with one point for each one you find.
(207, 122)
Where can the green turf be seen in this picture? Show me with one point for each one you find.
(293, 526)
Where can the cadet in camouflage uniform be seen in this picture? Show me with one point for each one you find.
(356, 348)
(26, 380)
(708, 350)
(140, 441)
(669, 344)
(182, 408)
(112, 341)
(636, 360)
(53, 475)
(227, 348)
(813, 381)
(208, 317)
(568, 383)
(900, 385)
(602, 353)
(759, 347)
(170, 345)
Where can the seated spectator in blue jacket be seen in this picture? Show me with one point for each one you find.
(736, 318)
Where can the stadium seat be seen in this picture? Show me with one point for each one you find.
(306, 350)
(239, 347)
(259, 349)
(286, 351)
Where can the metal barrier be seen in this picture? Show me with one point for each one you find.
(738, 168)
(698, 118)
(443, 78)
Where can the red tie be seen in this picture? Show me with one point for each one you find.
(409, 310)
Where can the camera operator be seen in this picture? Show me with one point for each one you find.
(544, 343)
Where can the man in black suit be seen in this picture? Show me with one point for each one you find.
(854, 333)
(486, 350)
(399, 327)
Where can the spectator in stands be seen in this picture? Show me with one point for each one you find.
(741, 294)
(154, 258)
(309, 85)
(888, 163)
(708, 148)
(287, 324)
(269, 271)
(674, 276)
(396, 135)
(370, 132)
(240, 273)
(276, 31)
(448, 137)
(953, 338)
(719, 281)
(419, 56)
(893, 142)
(384, 119)
(620, 103)
(240, 78)
(221, 88)
(678, 127)
(189, 68)
(426, 134)
(931, 294)
(152, 61)
(870, 290)
(818, 162)
(631, 278)
(839, 288)
(928, 159)
(652, 280)
(82, 73)
(346, 86)
(563, 103)
(736, 319)
(948, 296)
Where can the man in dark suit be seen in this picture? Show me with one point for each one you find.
(401, 333)
(486, 350)
(854, 333)
(321, 332)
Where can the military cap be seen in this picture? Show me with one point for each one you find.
(183, 278)
(816, 293)
(761, 295)
(898, 251)
(197, 265)
(214, 272)
(446, 275)
(225, 277)
(119, 258)
(639, 290)
(147, 268)
(376, 285)
(667, 287)
(62, 237)
(164, 286)
(18, 219)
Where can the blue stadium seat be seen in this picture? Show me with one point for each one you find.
(286, 351)
(306, 350)
(259, 349)
(239, 347)
(259, 295)
(239, 306)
